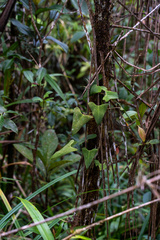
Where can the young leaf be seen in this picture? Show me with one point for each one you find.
(24, 151)
(49, 144)
(98, 111)
(88, 156)
(142, 133)
(110, 95)
(65, 150)
(43, 228)
(79, 120)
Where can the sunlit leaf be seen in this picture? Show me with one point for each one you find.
(43, 228)
(65, 150)
(110, 96)
(79, 120)
(88, 156)
(98, 111)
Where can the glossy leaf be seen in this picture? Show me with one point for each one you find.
(89, 156)
(49, 144)
(79, 120)
(43, 228)
(9, 124)
(110, 96)
(98, 111)
(27, 153)
(65, 150)
(97, 89)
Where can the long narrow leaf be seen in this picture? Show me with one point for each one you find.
(43, 228)
(3, 220)
(6, 203)
(55, 86)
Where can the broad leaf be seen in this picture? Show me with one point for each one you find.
(79, 120)
(29, 75)
(142, 133)
(110, 95)
(9, 124)
(89, 156)
(65, 150)
(97, 89)
(43, 228)
(49, 144)
(27, 153)
(98, 111)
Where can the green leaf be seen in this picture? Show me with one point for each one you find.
(1, 122)
(98, 111)
(22, 28)
(9, 124)
(27, 153)
(61, 44)
(65, 150)
(37, 99)
(97, 89)
(129, 115)
(7, 64)
(49, 144)
(153, 141)
(83, 5)
(79, 120)
(142, 109)
(80, 237)
(77, 36)
(55, 86)
(88, 156)
(3, 221)
(110, 95)
(43, 228)
(40, 74)
(29, 75)
(2, 109)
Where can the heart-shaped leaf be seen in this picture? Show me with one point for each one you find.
(88, 156)
(110, 95)
(98, 111)
(65, 150)
(79, 120)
